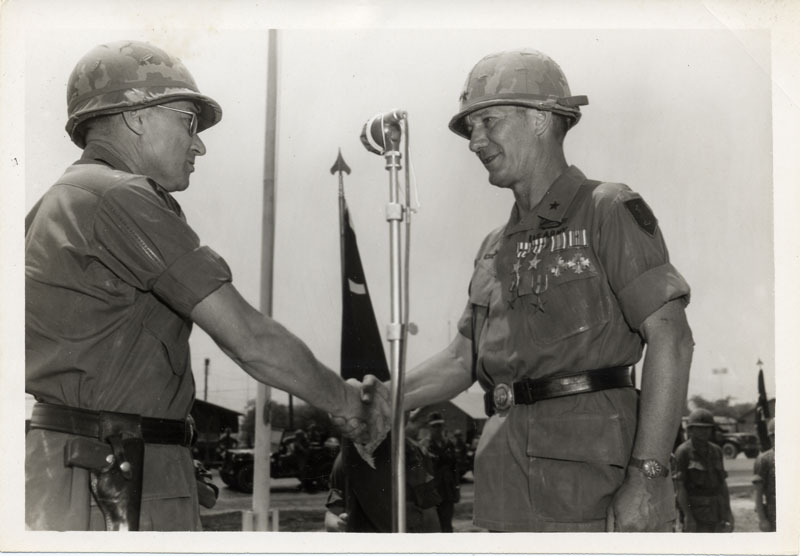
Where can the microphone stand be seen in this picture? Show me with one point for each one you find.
(397, 331)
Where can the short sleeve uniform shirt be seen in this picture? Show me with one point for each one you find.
(565, 289)
(112, 272)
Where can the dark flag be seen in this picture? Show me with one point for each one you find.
(762, 413)
(366, 491)
(362, 346)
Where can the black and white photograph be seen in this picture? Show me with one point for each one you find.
(301, 269)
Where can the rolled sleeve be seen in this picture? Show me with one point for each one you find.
(191, 278)
(650, 291)
(635, 256)
(149, 245)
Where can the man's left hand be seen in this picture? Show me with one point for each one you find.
(366, 418)
(634, 507)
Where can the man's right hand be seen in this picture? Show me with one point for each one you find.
(366, 415)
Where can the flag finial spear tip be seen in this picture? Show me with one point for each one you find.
(340, 165)
(759, 363)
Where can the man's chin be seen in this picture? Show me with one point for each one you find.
(498, 182)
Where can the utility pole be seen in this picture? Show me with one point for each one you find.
(205, 380)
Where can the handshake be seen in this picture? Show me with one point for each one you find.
(365, 417)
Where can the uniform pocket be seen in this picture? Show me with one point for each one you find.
(172, 332)
(566, 296)
(580, 437)
(576, 461)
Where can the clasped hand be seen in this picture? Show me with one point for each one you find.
(365, 417)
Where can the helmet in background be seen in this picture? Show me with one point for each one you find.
(700, 418)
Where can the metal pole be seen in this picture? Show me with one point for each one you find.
(205, 380)
(394, 215)
(261, 473)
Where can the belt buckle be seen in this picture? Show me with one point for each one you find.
(503, 398)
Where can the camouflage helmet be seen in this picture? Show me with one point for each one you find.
(125, 75)
(700, 418)
(522, 77)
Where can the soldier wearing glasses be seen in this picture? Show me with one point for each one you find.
(562, 300)
(115, 278)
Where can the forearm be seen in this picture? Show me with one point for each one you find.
(665, 379)
(727, 502)
(683, 498)
(759, 500)
(442, 377)
(280, 359)
(267, 350)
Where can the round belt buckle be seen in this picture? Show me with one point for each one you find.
(503, 398)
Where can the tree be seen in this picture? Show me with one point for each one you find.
(722, 407)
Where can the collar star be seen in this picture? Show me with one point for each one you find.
(554, 205)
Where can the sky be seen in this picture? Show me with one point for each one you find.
(665, 117)
(694, 106)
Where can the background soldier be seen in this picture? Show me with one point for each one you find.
(442, 454)
(700, 479)
(359, 501)
(764, 482)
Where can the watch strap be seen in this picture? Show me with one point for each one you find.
(650, 465)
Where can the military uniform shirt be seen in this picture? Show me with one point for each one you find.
(564, 289)
(703, 476)
(764, 473)
(112, 273)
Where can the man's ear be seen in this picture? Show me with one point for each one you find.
(134, 120)
(542, 120)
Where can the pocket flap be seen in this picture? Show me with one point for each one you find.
(584, 437)
(173, 333)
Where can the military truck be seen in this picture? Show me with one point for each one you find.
(308, 462)
(730, 435)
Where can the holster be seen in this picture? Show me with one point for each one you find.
(115, 465)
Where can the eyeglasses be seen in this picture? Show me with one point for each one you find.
(192, 123)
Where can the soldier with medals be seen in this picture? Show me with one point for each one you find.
(563, 298)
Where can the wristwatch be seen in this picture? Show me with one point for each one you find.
(651, 468)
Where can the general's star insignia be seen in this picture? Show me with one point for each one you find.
(554, 205)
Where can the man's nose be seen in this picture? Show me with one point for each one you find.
(477, 139)
(197, 145)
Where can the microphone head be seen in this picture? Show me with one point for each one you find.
(382, 132)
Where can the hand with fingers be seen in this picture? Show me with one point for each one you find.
(366, 418)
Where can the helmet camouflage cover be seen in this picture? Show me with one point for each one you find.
(523, 77)
(126, 75)
(700, 418)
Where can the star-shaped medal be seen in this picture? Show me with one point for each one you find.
(538, 304)
(534, 263)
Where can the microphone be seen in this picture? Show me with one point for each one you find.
(382, 132)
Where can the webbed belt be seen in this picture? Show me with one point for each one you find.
(529, 391)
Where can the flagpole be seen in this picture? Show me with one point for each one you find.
(762, 411)
(339, 167)
(263, 426)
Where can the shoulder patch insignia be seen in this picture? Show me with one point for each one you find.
(643, 215)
